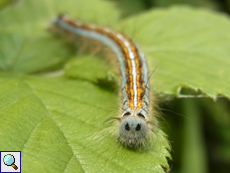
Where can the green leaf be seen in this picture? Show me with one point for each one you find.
(83, 67)
(22, 53)
(127, 9)
(51, 120)
(4, 3)
(197, 3)
(189, 47)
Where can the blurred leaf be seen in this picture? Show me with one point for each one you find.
(26, 47)
(83, 67)
(189, 47)
(4, 3)
(198, 3)
(129, 7)
(21, 53)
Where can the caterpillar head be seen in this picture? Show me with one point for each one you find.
(133, 132)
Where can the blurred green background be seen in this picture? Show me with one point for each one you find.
(198, 128)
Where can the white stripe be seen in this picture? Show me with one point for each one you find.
(132, 58)
(134, 81)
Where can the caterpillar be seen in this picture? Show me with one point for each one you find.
(135, 120)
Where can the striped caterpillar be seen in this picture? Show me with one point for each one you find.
(135, 125)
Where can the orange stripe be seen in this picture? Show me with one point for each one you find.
(129, 84)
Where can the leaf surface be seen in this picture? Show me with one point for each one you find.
(188, 47)
(52, 121)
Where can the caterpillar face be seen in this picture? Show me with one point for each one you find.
(132, 132)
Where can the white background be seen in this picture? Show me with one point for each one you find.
(5, 168)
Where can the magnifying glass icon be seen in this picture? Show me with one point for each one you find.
(9, 160)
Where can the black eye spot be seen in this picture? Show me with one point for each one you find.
(141, 115)
(126, 114)
(127, 127)
(138, 127)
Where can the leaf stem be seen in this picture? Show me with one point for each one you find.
(193, 152)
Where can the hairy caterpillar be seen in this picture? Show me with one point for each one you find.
(135, 125)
